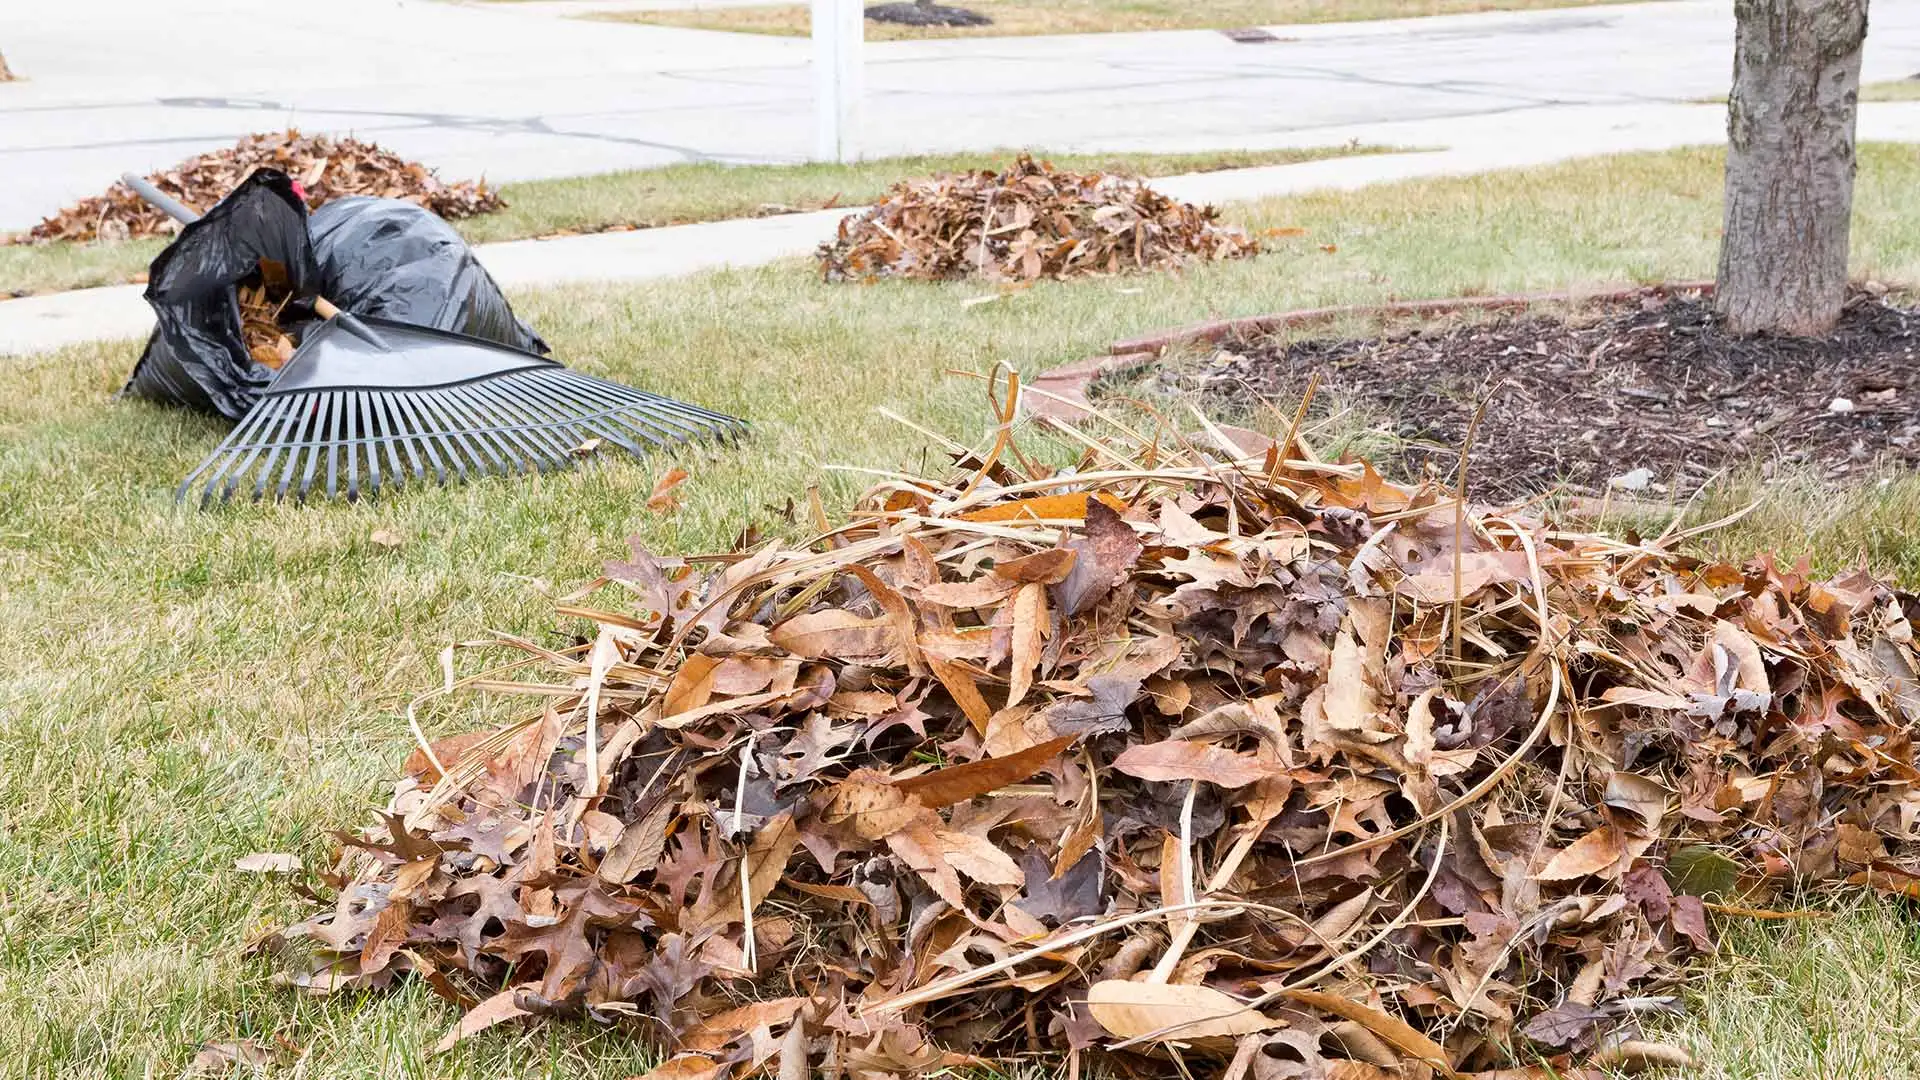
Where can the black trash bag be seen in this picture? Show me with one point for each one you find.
(196, 356)
(369, 256)
(402, 262)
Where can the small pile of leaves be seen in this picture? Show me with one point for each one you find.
(327, 167)
(1211, 757)
(1029, 222)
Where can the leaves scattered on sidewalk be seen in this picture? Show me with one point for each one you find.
(1029, 222)
(328, 167)
(1204, 755)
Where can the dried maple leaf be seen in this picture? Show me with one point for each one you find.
(1105, 553)
(404, 845)
(564, 944)
(669, 976)
(1103, 710)
(663, 499)
(664, 585)
(1057, 900)
(1566, 1024)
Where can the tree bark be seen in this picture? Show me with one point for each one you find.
(1790, 164)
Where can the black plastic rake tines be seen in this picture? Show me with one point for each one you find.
(353, 440)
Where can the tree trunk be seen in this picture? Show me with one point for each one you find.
(1790, 162)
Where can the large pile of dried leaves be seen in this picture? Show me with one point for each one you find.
(1029, 222)
(1216, 758)
(328, 167)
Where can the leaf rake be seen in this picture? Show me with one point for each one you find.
(342, 423)
(366, 402)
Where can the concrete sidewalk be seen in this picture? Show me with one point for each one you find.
(1471, 145)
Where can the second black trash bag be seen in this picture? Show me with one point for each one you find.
(196, 356)
(394, 260)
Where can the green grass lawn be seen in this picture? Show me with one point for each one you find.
(647, 198)
(181, 689)
(1813, 999)
(1897, 90)
(1026, 17)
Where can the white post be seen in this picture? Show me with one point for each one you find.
(839, 26)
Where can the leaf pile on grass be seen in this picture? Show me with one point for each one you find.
(1218, 758)
(1029, 222)
(328, 167)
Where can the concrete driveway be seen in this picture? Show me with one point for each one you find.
(495, 90)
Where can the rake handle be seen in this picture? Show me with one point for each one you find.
(160, 200)
(186, 215)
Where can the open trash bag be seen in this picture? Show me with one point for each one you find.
(371, 256)
(196, 356)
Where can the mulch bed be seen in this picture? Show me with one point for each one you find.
(911, 14)
(1578, 404)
